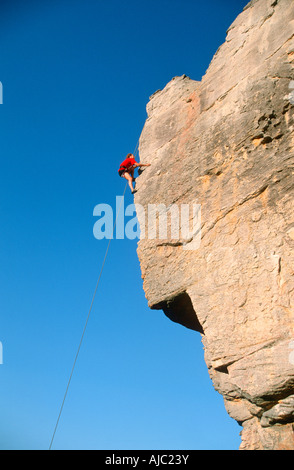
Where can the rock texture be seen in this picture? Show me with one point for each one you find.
(227, 143)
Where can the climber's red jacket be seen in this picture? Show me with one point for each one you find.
(127, 163)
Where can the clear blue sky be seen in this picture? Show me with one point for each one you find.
(77, 75)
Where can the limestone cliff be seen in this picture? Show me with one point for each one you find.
(227, 143)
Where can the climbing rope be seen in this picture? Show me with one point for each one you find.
(88, 316)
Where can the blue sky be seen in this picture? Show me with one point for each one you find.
(77, 75)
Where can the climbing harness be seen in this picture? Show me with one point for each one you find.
(88, 316)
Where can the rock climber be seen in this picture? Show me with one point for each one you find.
(127, 168)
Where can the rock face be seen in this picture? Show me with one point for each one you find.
(226, 143)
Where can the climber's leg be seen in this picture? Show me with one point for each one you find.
(131, 171)
(129, 179)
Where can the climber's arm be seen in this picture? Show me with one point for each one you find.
(136, 165)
